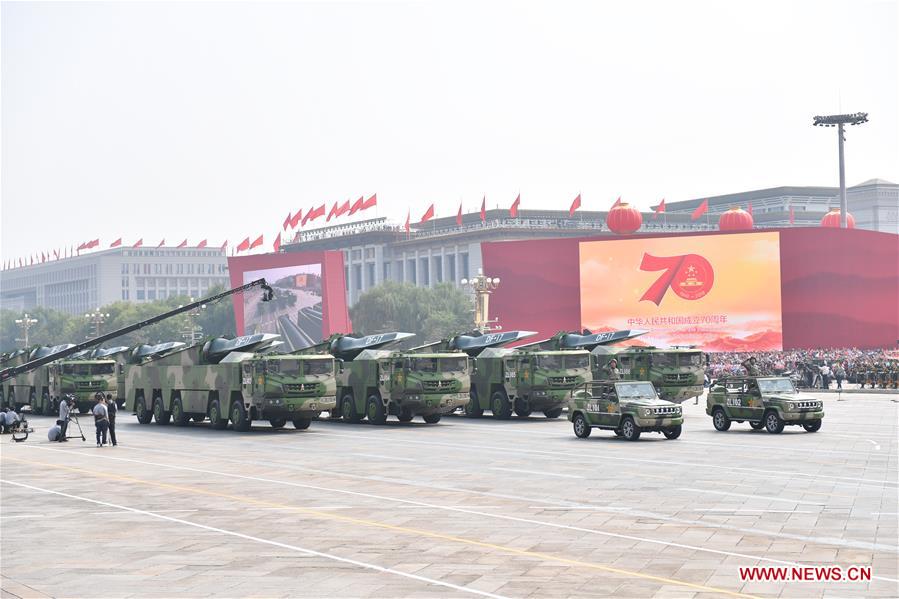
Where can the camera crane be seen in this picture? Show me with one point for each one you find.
(8, 373)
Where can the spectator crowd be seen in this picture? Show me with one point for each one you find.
(820, 368)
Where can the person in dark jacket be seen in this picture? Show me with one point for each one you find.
(111, 409)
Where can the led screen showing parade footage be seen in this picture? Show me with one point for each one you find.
(307, 303)
(718, 292)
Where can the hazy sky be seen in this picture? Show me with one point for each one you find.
(208, 120)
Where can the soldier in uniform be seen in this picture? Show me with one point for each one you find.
(751, 366)
(612, 369)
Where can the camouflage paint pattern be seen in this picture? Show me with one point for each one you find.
(606, 404)
(504, 379)
(751, 398)
(403, 384)
(677, 374)
(267, 387)
(43, 387)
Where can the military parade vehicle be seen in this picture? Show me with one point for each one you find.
(374, 382)
(629, 408)
(764, 402)
(535, 377)
(677, 373)
(41, 390)
(229, 379)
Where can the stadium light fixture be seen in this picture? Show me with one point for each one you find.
(839, 121)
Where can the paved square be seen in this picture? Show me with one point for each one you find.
(465, 507)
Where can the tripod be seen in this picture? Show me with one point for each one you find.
(74, 418)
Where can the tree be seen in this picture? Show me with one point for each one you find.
(431, 313)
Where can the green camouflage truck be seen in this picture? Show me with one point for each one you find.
(677, 373)
(34, 387)
(535, 377)
(9, 360)
(228, 379)
(769, 402)
(374, 383)
(629, 408)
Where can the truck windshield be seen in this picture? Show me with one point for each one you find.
(780, 385)
(635, 390)
(664, 360)
(551, 362)
(423, 364)
(577, 361)
(318, 367)
(453, 364)
(102, 368)
(691, 359)
(88, 369)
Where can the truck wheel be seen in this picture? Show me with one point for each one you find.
(178, 415)
(773, 423)
(500, 405)
(812, 427)
(278, 422)
(757, 426)
(240, 422)
(431, 418)
(672, 432)
(301, 423)
(348, 409)
(629, 429)
(405, 415)
(473, 408)
(144, 416)
(720, 420)
(215, 416)
(521, 408)
(35, 408)
(553, 413)
(159, 413)
(375, 410)
(581, 427)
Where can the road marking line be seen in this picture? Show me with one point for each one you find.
(374, 524)
(365, 565)
(556, 474)
(729, 511)
(383, 457)
(749, 496)
(410, 502)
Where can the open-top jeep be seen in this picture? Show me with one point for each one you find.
(626, 407)
(763, 401)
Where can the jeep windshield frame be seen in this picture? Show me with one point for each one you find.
(636, 390)
(777, 385)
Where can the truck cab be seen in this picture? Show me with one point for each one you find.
(286, 386)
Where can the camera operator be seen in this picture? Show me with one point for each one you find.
(112, 408)
(65, 407)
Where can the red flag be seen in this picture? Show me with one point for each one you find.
(459, 216)
(792, 216)
(701, 209)
(116, 243)
(408, 214)
(428, 215)
(277, 244)
(202, 244)
(140, 243)
(224, 245)
(484, 209)
(513, 211)
(749, 208)
(286, 221)
(95, 242)
(43, 257)
(320, 211)
(244, 245)
(296, 219)
(617, 202)
(357, 206)
(56, 254)
(183, 244)
(82, 246)
(256, 243)
(161, 243)
(332, 212)
(32, 260)
(370, 202)
(20, 263)
(574, 205)
(344, 208)
(659, 209)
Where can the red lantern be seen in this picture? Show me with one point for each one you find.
(735, 219)
(832, 219)
(624, 219)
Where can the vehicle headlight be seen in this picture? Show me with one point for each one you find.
(791, 406)
(647, 412)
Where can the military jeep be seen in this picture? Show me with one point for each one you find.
(628, 408)
(764, 402)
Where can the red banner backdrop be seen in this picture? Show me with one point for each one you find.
(839, 288)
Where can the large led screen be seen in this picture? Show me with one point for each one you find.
(308, 302)
(718, 292)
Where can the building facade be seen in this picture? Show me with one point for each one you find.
(82, 283)
(442, 251)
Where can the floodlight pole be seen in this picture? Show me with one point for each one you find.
(843, 208)
(839, 120)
